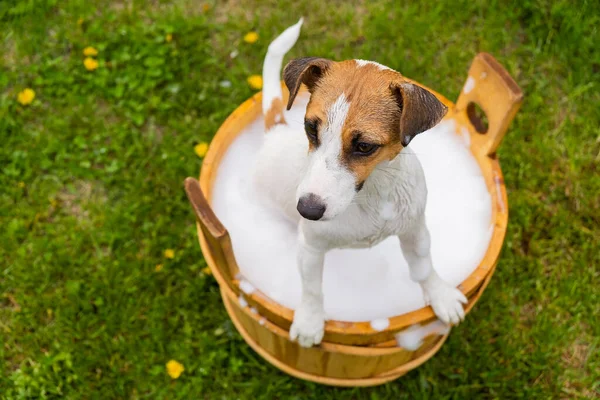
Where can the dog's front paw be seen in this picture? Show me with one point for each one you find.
(446, 301)
(308, 326)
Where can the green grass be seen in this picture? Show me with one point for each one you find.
(91, 193)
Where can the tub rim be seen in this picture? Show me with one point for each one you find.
(482, 146)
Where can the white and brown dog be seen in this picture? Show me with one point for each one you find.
(349, 180)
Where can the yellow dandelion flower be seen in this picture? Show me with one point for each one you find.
(200, 149)
(90, 64)
(251, 37)
(174, 369)
(169, 37)
(169, 253)
(21, 184)
(255, 82)
(26, 96)
(206, 271)
(158, 267)
(80, 21)
(90, 52)
(205, 7)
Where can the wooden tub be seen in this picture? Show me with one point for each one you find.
(354, 354)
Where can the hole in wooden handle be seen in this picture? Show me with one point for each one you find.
(477, 117)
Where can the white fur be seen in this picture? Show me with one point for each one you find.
(325, 176)
(272, 63)
(387, 211)
(285, 171)
(362, 63)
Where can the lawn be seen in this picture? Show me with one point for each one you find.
(92, 305)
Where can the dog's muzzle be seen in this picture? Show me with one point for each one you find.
(311, 207)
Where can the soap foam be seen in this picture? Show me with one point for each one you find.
(380, 324)
(412, 337)
(247, 287)
(469, 85)
(358, 284)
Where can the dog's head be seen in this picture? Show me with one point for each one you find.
(360, 113)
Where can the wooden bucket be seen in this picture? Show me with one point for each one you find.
(354, 354)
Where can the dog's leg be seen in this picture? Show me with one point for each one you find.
(309, 318)
(443, 298)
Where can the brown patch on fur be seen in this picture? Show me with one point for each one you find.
(375, 115)
(274, 114)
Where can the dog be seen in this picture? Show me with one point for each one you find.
(350, 180)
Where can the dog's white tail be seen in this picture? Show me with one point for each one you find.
(272, 103)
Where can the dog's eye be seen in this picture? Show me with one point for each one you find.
(365, 149)
(311, 131)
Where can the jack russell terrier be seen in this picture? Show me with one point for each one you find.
(350, 180)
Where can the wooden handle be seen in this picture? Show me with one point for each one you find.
(215, 234)
(491, 87)
(202, 210)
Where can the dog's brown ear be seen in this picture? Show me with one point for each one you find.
(306, 70)
(420, 110)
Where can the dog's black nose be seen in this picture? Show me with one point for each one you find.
(311, 207)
